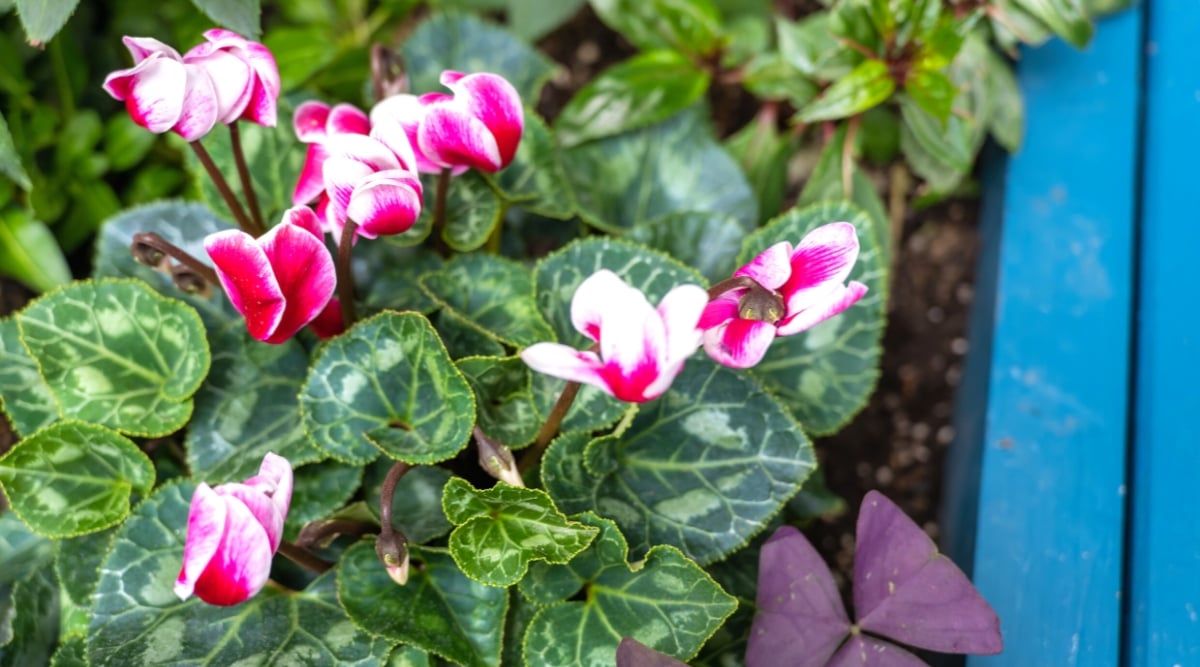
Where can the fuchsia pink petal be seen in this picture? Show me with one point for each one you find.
(385, 202)
(565, 362)
(494, 101)
(771, 268)
(144, 47)
(821, 262)
(152, 90)
(402, 115)
(248, 279)
(266, 84)
(739, 343)
(312, 176)
(232, 79)
(841, 298)
(451, 137)
(304, 268)
(309, 119)
(200, 107)
(347, 119)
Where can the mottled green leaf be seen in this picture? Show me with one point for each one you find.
(391, 279)
(407, 656)
(416, 503)
(1007, 121)
(77, 564)
(699, 239)
(536, 180)
(867, 85)
(668, 167)
(647, 88)
(138, 620)
(114, 352)
(24, 396)
(439, 610)
(387, 383)
(460, 42)
(473, 210)
(23, 552)
(826, 374)
(320, 490)
(702, 468)
(35, 622)
(690, 26)
(42, 19)
(240, 16)
(463, 339)
(507, 411)
(10, 161)
(29, 252)
(72, 478)
(502, 529)
(665, 602)
(71, 652)
(493, 294)
(249, 405)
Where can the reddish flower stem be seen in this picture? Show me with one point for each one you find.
(303, 558)
(345, 274)
(235, 139)
(149, 240)
(235, 207)
(549, 429)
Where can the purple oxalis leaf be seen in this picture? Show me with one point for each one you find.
(867, 651)
(631, 653)
(905, 590)
(800, 620)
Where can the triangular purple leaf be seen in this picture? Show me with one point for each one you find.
(866, 651)
(801, 620)
(905, 590)
(631, 653)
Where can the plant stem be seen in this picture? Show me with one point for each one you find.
(736, 282)
(303, 558)
(235, 207)
(149, 240)
(439, 213)
(848, 157)
(345, 274)
(235, 139)
(385, 495)
(316, 532)
(549, 429)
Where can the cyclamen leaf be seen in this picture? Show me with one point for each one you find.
(532, 19)
(240, 16)
(22, 551)
(867, 85)
(407, 656)
(138, 620)
(118, 354)
(77, 564)
(700, 239)
(417, 499)
(867, 651)
(35, 625)
(667, 603)
(10, 161)
(463, 339)
(632, 653)
(473, 210)
(690, 26)
(394, 274)
(501, 529)
(388, 383)
(42, 19)
(72, 478)
(1065, 17)
(493, 294)
(536, 180)
(702, 468)
(439, 610)
(24, 396)
(320, 490)
(905, 590)
(507, 411)
(71, 652)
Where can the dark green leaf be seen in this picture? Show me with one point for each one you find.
(407, 656)
(391, 278)
(300, 52)
(125, 142)
(814, 501)
(641, 91)
(72, 652)
(320, 490)
(463, 339)
(536, 180)
(417, 501)
(473, 210)
(439, 610)
(77, 565)
(492, 293)
(240, 16)
(507, 411)
(867, 85)
(42, 19)
(1007, 122)
(29, 253)
(933, 91)
(10, 161)
(24, 396)
(948, 144)
(702, 240)
(691, 26)
(531, 19)
(36, 622)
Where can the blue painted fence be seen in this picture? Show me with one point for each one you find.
(1071, 487)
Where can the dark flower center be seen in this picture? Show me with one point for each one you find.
(759, 303)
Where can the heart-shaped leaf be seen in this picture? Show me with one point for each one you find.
(473, 210)
(702, 468)
(138, 620)
(42, 19)
(536, 180)
(501, 529)
(492, 293)
(825, 375)
(667, 603)
(439, 610)
(24, 396)
(114, 352)
(507, 411)
(387, 383)
(72, 478)
(699, 239)
(77, 564)
(905, 590)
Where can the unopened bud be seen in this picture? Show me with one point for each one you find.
(392, 549)
(147, 254)
(189, 281)
(497, 459)
(387, 72)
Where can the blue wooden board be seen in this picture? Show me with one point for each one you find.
(1164, 568)
(1050, 448)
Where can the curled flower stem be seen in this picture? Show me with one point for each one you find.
(385, 495)
(549, 429)
(303, 558)
(439, 213)
(736, 282)
(345, 274)
(317, 532)
(391, 546)
(235, 139)
(145, 244)
(235, 207)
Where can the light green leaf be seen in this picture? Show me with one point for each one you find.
(417, 500)
(826, 374)
(35, 624)
(669, 167)
(1007, 122)
(949, 145)
(665, 602)
(116, 353)
(24, 396)
(507, 411)
(463, 43)
(771, 77)
(531, 19)
(763, 152)
(439, 610)
(42, 19)
(407, 656)
(690, 26)
(389, 383)
(249, 405)
(23, 552)
(869, 84)
(300, 52)
(125, 142)
(138, 620)
(647, 88)
(536, 180)
(240, 16)
(1065, 17)
(29, 252)
(493, 294)
(502, 529)
(933, 91)
(10, 161)
(702, 468)
(72, 478)
(71, 652)
(77, 564)
(813, 49)
(699, 239)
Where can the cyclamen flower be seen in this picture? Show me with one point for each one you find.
(314, 122)
(244, 73)
(400, 116)
(233, 532)
(479, 126)
(784, 292)
(369, 183)
(279, 282)
(642, 349)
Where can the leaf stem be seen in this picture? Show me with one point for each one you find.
(549, 429)
(345, 274)
(303, 558)
(235, 207)
(235, 139)
(147, 244)
(439, 213)
(848, 156)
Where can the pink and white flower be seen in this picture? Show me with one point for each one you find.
(313, 122)
(279, 282)
(233, 532)
(399, 117)
(783, 291)
(479, 126)
(243, 73)
(641, 348)
(369, 183)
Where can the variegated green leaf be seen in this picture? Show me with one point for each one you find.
(407, 656)
(507, 411)
(320, 490)
(387, 383)
(72, 652)
(24, 396)
(702, 468)
(392, 275)
(493, 294)
(825, 375)
(439, 610)
(23, 552)
(463, 339)
(700, 239)
(35, 620)
(416, 502)
(536, 180)
(666, 602)
(77, 564)
(501, 529)
(72, 478)
(473, 210)
(114, 352)
(138, 620)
